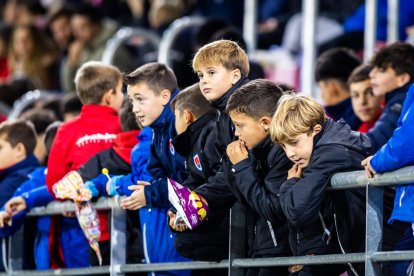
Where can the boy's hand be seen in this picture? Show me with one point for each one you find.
(295, 171)
(5, 218)
(237, 151)
(137, 199)
(179, 227)
(368, 168)
(15, 205)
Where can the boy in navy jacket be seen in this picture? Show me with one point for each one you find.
(395, 154)
(17, 143)
(151, 88)
(320, 222)
(259, 167)
(391, 77)
(195, 125)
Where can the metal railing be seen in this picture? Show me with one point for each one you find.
(235, 265)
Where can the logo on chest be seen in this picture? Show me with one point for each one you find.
(172, 150)
(197, 163)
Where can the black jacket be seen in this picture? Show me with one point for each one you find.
(257, 183)
(196, 144)
(313, 213)
(216, 191)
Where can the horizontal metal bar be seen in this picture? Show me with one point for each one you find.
(66, 271)
(305, 260)
(173, 266)
(392, 256)
(357, 179)
(57, 207)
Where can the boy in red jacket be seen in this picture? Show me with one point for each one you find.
(99, 87)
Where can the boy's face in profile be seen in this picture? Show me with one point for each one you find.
(9, 155)
(365, 104)
(216, 80)
(384, 80)
(299, 148)
(146, 105)
(249, 130)
(180, 121)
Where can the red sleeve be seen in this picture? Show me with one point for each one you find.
(56, 165)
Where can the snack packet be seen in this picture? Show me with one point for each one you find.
(191, 207)
(71, 187)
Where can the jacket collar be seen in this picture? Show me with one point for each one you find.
(221, 103)
(165, 118)
(397, 95)
(183, 143)
(93, 110)
(261, 151)
(29, 161)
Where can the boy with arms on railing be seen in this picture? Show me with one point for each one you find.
(391, 77)
(397, 153)
(259, 167)
(195, 125)
(320, 222)
(33, 193)
(17, 161)
(99, 87)
(151, 88)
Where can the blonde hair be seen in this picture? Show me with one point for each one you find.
(222, 52)
(295, 114)
(93, 79)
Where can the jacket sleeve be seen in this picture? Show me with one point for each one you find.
(37, 197)
(398, 151)
(262, 197)
(36, 179)
(301, 199)
(384, 127)
(156, 194)
(91, 168)
(57, 167)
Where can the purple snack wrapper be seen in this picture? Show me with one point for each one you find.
(193, 208)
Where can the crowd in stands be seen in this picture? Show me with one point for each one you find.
(210, 121)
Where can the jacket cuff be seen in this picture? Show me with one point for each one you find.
(30, 200)
(147, 193)
(245, 163)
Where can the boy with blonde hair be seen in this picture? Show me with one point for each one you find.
(319, 222)
(99, 87)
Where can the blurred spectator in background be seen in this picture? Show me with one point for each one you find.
(4, 45)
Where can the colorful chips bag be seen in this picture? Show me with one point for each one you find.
(191, 208)
(71, 187)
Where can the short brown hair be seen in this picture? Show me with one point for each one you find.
(93, 79)
(361, 73)
(192, 99)
(295, 114)
(222, 52)
(256, 99)
(399, 56)
(19, 131)
(155, 75)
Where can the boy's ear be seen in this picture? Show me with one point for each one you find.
(166, 96)
(236, 76)
(402, 79)
(106, 98)
(189, 117)
(316, 129)
(20, 151)
(265, 122)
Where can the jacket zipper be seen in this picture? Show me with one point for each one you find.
(272, 233)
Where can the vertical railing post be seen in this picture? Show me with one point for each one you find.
(118, 238)
(237, 235)
(249, 25)
(15, 251)
(370, 34)
(393, 21)
(373, 232)
(308, 41)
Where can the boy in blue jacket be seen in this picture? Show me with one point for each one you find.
(33, 193)
(17, 144)
(151, 88)
(395, 154)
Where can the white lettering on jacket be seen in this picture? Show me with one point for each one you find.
(95, 138)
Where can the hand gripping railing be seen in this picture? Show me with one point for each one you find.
(357, 179)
